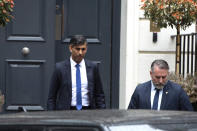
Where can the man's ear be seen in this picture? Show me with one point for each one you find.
(70, 48)
(151, 73)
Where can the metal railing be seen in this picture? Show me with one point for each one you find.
(188, 59)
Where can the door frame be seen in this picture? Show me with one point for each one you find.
(115, 57)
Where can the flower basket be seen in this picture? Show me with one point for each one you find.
(6, 8)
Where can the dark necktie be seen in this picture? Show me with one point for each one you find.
(156, 98)
(78, 82)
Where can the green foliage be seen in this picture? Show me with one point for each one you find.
(170, 12)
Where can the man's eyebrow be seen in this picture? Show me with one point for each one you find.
(160, 76)
(78, 48)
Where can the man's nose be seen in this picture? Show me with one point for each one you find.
(80, 52)
(160, 79)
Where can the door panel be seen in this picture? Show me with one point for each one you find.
(25, 77)
(91, 18)
(81, 17)
(29, 21)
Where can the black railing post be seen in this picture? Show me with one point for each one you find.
(195, 53)
(183, 56)
(180, 54)
(192, 48)
(188, 46)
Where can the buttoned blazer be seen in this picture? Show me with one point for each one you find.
(60, 92)
(173, 98)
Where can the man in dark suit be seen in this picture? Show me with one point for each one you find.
(160, 93)
(76, 82)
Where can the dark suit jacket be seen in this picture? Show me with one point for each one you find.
(173, 98)
(60, 92)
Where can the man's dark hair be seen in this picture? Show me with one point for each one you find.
(77, 40)
(162, 64)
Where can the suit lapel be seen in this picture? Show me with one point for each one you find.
(148, 94)
(88, 68)
(68, 75)
(165, 96)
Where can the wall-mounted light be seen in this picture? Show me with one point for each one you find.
(154, 37)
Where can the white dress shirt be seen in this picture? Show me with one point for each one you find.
(153, 91)
(84, 82)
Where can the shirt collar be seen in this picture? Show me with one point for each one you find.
(152, 85)
(73, 63)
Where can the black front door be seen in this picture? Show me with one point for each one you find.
(36, 39)
(27, 50)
